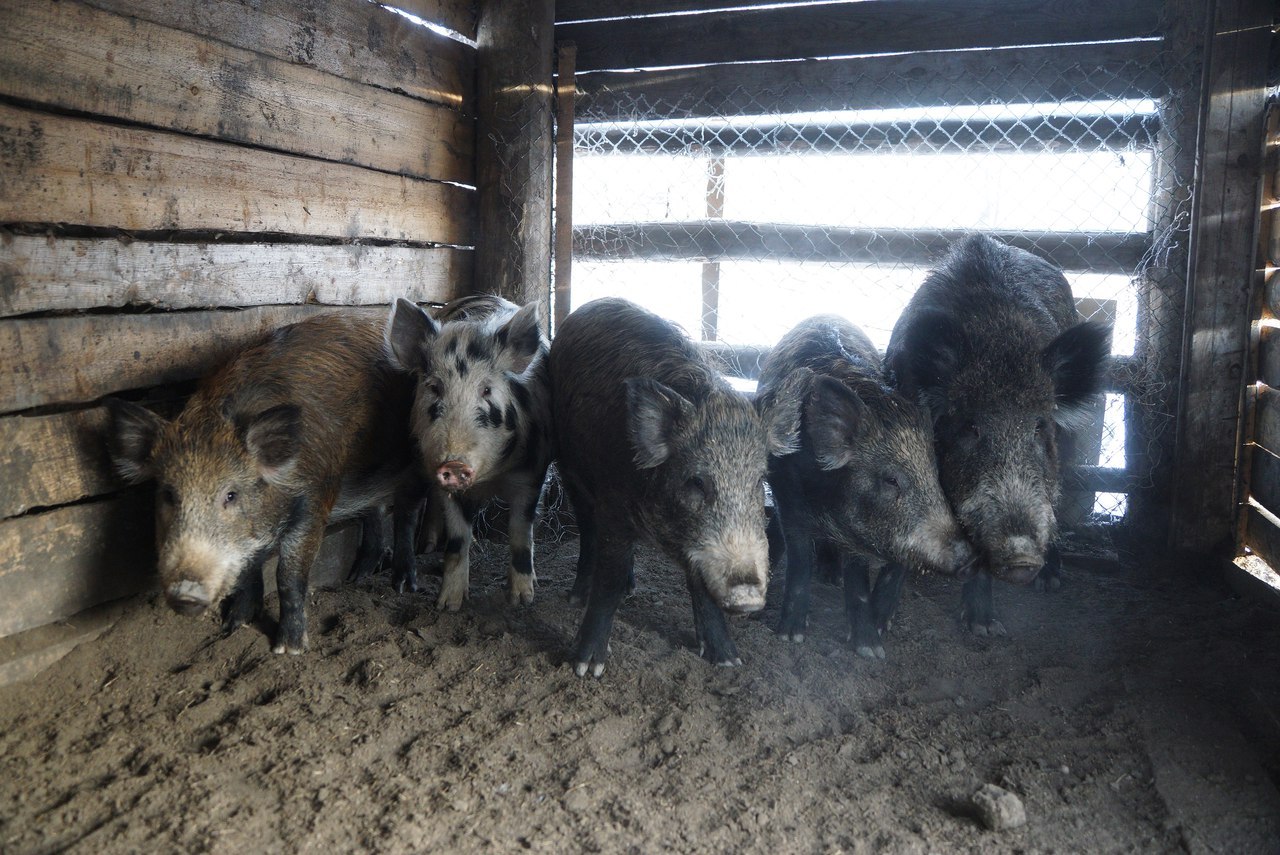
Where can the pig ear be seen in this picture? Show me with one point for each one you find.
(272, 440)
(1077, 361)
(655, 414)
(132, 437)
(931, 351)
(781, 413)
(520, 337)
(408, 329)
(836, 418)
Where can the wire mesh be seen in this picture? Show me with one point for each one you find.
(737, 211)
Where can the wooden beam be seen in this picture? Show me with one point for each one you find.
(1266, 426)
(56, 169)
(58, 563)
(730, 239)
(1096, 479)
(456, 15)
(1101, 72)
(47, 461)
(1221, 296)
(1263, 534)
(1068, 134)
(357, 40)
(846, 29)
(81, 358)
(1264, 479)
(566, 109)
(152, 75)
(584, 10)
(1269, 356)
(40, 274)
(514, 156)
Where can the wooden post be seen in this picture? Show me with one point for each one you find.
(514, 150)
(1220, 295)
(566, 95)
(711, 268)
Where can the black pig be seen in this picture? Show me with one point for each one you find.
(863, 481)
(481, 425)
(993, 346)
(306, 428)
(651, 441)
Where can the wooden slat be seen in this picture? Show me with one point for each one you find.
(80, 359)
(1272, 286)
(1262, 535)
(53, 460)
(350, 38)
(456, 15)
(846, 29)
(1266, 425)
(39, 274)
(58, 563)
(1264, 478)
(152, 75)
(1067, 134)
(585, 10)
(1097, 479)
(1269, 356)
(1216, 322)
(562, 274)
(1103, 72)
(729, 239)
(55, 169)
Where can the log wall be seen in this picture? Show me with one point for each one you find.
(176, 179)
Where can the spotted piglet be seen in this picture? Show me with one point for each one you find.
(481, 425)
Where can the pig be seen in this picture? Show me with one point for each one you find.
(652, 442)
(862, 484)
(993, 347)
(305, 428)
(481, 426)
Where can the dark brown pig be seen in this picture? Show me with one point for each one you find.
(306, 428)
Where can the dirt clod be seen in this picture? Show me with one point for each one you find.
(999, 809)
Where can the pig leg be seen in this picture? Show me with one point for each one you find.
(886, 595)
(1050, 577)
(777, 540)
(457, 554)
(826, 562)
(373, 544)
(244, 604)
(408, 510)
(431, 525)
(795, 597)
(584, 513)
(613, 566)
(978, 613)
(523, 501)
(714, 642)
(298, 550)
(863, 633)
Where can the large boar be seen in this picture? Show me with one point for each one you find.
(863, 480)
(993, 346)
(306, 428)
(651, 441)
(480, 423)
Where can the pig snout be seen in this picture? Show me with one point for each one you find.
(1018, 561)
(941, 546)
(455, 475)
(964, 559)
(735, 570)
(187, 597)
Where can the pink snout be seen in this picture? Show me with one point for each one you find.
(455, 475)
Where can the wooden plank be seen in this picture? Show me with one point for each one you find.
(1262, 535)
(58, 563)
(53, 460)
(1066, 134)
(1269, 354)
(515, 152)
(81, 358)
(586, 10)
(152, 75)
(1096, 479)
(39, 274)
(566, 109)
(1102, 72)
(26, 654)
(1216, 328)
(1264, 477)
(847, 29)
(56, 169)
(1112, 252)
(456, 15)
(357, 40)
(1266, 425)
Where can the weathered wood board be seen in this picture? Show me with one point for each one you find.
(53, 460)
(152, 75)
(80, 359)
(56, 169)
(456, 15)
(354, 39)
(39, 274)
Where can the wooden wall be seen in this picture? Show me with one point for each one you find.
(176, 178)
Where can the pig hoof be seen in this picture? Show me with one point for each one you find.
(992, 629)
(447, 603)
(576, 599)
(870, 651)
(1053, 583)
(596, 669)
(293, 649)
(521, 592)
(794, 637)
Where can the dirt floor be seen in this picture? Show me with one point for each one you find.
(1131, 712)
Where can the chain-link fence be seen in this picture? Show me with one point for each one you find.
(741, 200)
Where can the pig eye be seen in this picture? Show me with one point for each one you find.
(892, 481)
(1040, 427)
(486, 391)
(168, 496)
(433, 386)
(697, 485)
(229, 499)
